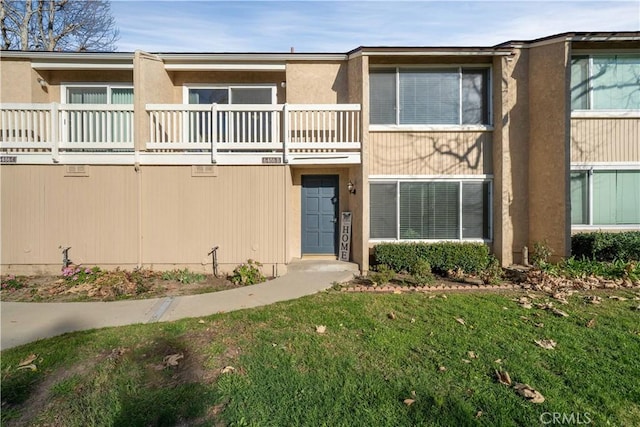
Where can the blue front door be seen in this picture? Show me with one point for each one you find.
(319, 214)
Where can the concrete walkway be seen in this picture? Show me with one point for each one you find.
(26, 322)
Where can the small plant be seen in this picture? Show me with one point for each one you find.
(183, 276)
(247, 273)
(12, 283)
(541, 254)
(382, 274)
(421, 272)
(76, 275)
(492, 274)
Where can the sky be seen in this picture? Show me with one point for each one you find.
(340, 26)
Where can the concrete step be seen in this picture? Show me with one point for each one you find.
(321, 265)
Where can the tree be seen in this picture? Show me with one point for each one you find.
(57, 25)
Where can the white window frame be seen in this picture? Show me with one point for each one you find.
(228, 86)
(108, 86)
(590, 168)
(397, 127)
(460, 179)
(591, 112)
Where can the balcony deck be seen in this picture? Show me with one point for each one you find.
(180, 134)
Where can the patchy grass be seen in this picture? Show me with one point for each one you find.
(377, 351)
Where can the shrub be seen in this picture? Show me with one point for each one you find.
(12, 283)
(574, 268)
(606, 246)
(247, 274)
(76, 275)
(471, 258)
(541, 254)
(183, 276)
(492, 274)
(421, 272)
(382, 274)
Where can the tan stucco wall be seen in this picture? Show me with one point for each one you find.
(317, 83)
(510, 156)
(429, 153)
(605, 140)
(358, 90)
(56, 78)
(294, 214)
(241, 210)
(19, 82)
(549, 114)
(42, 210)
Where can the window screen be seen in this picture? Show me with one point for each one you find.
(383, 208)
(382, 96)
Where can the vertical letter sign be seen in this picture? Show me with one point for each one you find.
(345, 236)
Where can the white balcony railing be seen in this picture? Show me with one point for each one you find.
(287, 129)
(284, 132)
(66, 127)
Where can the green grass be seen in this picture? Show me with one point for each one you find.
(357, 373)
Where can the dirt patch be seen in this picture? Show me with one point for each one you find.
(96, 285)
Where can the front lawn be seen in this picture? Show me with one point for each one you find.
(347, 359)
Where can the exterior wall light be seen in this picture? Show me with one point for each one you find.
(351, 187)
(42, 82)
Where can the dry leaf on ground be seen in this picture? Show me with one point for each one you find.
(616, 297)
(442, 368)
(391, 315)
(478, 414)
(503, 377)
(227, 370)
(321, 329)
(529, 393)
(466, 360)
(559, 312)
(409, 402)
(539, 325)
(548, 344)
(31, 366)
(594, 299)
(472, 355)
(461, 321)
(172, 359)
(591, 323)
(28, 360)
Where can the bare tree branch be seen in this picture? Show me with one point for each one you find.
(61, 25)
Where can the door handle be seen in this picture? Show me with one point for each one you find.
(334, 220)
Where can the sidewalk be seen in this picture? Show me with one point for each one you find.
(26, 322)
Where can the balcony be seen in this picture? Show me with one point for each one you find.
(180, 134)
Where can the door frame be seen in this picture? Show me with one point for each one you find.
(336, 181)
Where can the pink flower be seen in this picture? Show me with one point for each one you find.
(87, 270)
(75, 277)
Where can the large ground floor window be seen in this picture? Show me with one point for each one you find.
(430, 210)
(605, 197)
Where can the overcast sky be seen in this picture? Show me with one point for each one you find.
(339, 26)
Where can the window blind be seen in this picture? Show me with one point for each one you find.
(429, 96)
(383, 207)
(382, 96)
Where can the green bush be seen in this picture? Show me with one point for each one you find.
(247, 274)
(600, 246)
(421, 272)
(471, 258)
(574, 268)
(382, 274)
(184, 276)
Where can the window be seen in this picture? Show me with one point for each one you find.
(98, 126)
(439, 210)
(610, 82)
(605, 197)
(233, 126)
(430, 96)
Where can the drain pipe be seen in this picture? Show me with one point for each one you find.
(214, 252)
(66, 261)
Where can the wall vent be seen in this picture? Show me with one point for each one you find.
(204, 170)
(76, 170)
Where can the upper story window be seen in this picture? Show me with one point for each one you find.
(605, 82)
(429, 96)
(231, 95)
(98, 94)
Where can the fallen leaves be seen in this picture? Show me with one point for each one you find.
(170, 360)
(591, 323)
(618, 298)
(503, 377)
(472, 355)
(529, 393)
(412, 400)
(547, 344)
(227, 370)
(391, 315)
(321, 329)
(27, 363)
(461, 321)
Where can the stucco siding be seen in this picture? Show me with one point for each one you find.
(417, 153)
(317, 83)
(605, 140)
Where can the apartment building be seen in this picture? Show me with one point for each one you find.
(151, 160)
